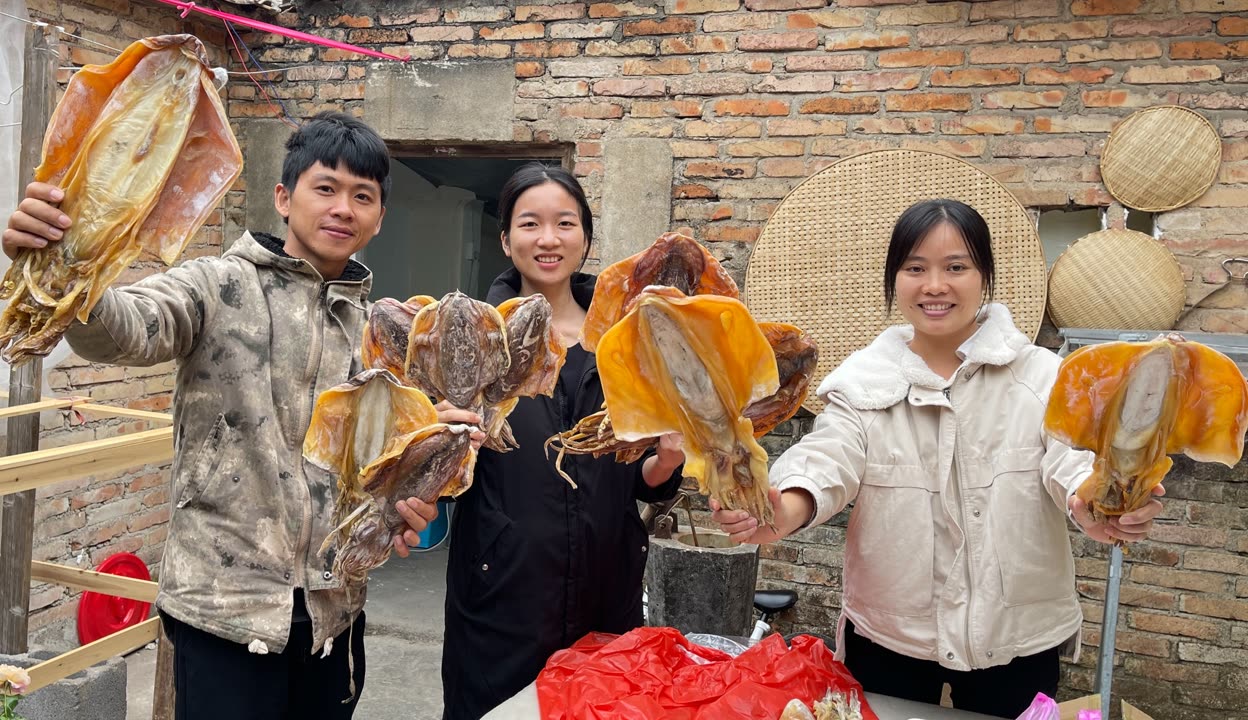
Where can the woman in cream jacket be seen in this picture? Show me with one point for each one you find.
(958, 566)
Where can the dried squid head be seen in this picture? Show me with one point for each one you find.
(674, 260)
(692, 365)
(1133, 404)
(456, 348)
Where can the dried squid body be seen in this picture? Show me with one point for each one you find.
(143, 150)
(535, 357)
(456, 348)
(1133, 404)
(692, 365)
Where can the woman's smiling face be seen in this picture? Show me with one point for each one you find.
(546, 240)
(939, 289)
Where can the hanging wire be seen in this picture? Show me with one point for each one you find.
(10, 98)
(237, 41)
(61, 30)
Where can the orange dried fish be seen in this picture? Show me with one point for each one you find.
(674, 260)
(143, 149)
(692, 365)
(1133, 404)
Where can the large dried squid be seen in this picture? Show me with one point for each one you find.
(1133, 404)
(143, 150)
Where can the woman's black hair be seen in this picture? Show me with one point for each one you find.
(331, 137)
(918, 220)
(533, 174)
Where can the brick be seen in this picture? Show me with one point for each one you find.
(1075, 75)
(1212, 6)
(496, 51)
(671, 66)
(1219, 101)
(756, 189)
(1160, 74)
(1169, 671)
(457, 33)
(867, 40)
(1014, 9)
(1130, 50)
(827, 19)
(973, 78)
(805, 128)
(1208, 50)
(1231, 26)
(709, 85)
(1208, 513)
(477, 14)
(570, 88)
(696, 45)
(375, 36)
(729, 108)
(919, 15)
(771, 42)
(812, 83)
(1129, 641)
(1213, 606)
(422, 17)
(962, 148)
(670, 108)
(87, 17)
(1222, 562)
(522, 31)
(1217, 698)
(105, 533)
(1183, 535)
(670, 26)
(1172, 26)
(630, 87)
(1014, 55)
(610, 48)
(546, 13)
(1022, 100)
(843, 106)
(767, 148)
(927, 102)
(316, 72)
(896, 126)
(1182, 579)
(693, 191)
(1048, 32)
(737, 23)
(1078, 124)
(1122, 98)
(982, 125)
(564, 31)
(691, 148)
(697, 7)
(719, 170)
(584, 68)
(1116, 7)
(872, 82)
(723, 128)
(969, 35)
(620, 9)
(592, 110)
(765, 5)
(824, 63)
(529, 69)
(1175, 625)
(920, 58)
(145, 520)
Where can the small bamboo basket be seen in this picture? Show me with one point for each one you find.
(1161, 158)
(1116, 279)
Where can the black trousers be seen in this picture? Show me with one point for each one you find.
(215, 678)
(1003, 691)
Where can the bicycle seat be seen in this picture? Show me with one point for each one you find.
(774, 601)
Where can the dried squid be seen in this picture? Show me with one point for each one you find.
(143, 150)
(674, 260)
(384, 443)
(692, 365)
(1132, 404)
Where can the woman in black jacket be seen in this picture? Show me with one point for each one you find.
(534, 563)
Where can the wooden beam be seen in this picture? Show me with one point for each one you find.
(119, 643)
(35, 407)
(17, 512)
(164, 692)
(164, 418)
(32, 470)
(83, 579)
(83, 404)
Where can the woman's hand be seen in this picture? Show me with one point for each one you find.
(417, 514)
(449, 414)
(791, 510)
(1131, 527)
(669, 456)
(37, 220)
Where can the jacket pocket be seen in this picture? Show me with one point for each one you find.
(201, 471)
(494, 559)
(1029, 535)
(890, 556)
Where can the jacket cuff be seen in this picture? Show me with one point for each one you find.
(797, 482)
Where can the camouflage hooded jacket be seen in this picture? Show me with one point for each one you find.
(257, 335)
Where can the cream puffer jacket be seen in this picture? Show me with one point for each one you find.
(957, 548)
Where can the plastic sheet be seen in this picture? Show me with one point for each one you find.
(658, 674)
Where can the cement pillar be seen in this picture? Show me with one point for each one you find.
(636, 197)
(701, 589)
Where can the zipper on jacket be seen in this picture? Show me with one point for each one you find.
(970, 573)
(313, 367)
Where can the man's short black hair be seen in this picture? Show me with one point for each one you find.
(331, 137)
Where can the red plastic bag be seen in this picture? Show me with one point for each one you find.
(657, 674)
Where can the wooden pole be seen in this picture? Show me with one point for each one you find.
(17, 511)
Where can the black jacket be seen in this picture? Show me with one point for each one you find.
(534, 564)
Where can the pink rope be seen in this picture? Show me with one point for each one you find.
(187, 7)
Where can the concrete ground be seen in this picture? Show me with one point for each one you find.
(403, 643)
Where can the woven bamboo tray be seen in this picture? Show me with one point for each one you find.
(1116, 279)
(1161, 158)
(819, 262)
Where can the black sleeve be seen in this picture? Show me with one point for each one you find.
(666, 491)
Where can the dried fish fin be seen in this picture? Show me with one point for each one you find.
(796, 357)
(1213, 412)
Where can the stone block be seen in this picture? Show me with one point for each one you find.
(702, 589)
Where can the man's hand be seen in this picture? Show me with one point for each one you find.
(37, 220)
(451, 415)
(417, 514)
(1131, 527)
(791, 510)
